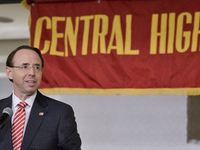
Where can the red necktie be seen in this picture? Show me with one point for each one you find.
(18, 126)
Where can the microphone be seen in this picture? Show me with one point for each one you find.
(7, 113)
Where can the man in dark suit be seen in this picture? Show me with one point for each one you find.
(49, 124)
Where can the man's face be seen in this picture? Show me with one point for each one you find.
(25, 81)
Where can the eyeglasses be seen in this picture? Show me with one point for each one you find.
(26, 68)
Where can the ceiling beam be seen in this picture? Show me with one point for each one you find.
(9, 1)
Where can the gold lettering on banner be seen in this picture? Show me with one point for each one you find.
(99, 37)
(170, 44)
(155, 34)
(86, 30)
(71, 35)
(38, 33)
(56, 36)
(128, 37)
(116, 34)
(170, 33)
(196, 32)
(180, 34)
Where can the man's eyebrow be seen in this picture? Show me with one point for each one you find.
(25, 63)
(37, 64)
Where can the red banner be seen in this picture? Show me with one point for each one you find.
(118, 47)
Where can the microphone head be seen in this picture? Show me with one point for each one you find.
(8, 111)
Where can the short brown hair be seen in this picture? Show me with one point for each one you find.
(9, 61)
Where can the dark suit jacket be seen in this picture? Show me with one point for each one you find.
(51, 126)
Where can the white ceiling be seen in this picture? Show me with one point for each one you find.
(18, 29)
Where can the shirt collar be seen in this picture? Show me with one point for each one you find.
(29, 100)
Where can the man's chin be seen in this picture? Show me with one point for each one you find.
(31, 91)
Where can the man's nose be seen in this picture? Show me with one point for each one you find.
(31, 70)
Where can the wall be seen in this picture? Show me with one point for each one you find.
(121, 122)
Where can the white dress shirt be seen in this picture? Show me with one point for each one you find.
(29, 101)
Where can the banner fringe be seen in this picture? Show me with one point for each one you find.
(110, 92)
(26, 5)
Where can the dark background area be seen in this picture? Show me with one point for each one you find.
(193, 113)
(9, 1)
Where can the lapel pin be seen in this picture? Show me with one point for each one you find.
(41, 113)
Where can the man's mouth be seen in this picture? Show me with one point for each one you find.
(30, 81)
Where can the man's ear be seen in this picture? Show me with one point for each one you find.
(9, 73)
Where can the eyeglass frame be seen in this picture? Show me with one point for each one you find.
(28, 67)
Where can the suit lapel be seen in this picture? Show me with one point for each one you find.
(37, 115)
(5, 132)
